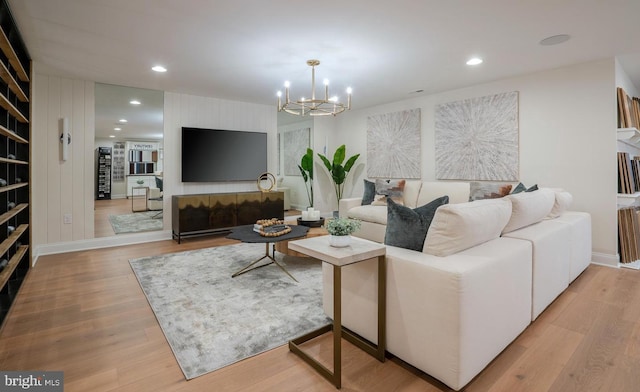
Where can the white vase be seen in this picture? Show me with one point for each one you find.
(339, 241)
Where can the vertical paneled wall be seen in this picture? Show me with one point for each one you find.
(62, 187)
(182, 110)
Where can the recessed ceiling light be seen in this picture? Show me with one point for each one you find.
(474, 61)
(117, 129)
(122, 120)
(134, 102)
(555, 39)
(111, 136)
(159, 68)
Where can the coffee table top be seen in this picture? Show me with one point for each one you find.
(246, 234)
(319, 248)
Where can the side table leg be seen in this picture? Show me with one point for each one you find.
(337, 326)
(382, 307)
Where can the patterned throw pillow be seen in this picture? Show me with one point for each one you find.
(488, 190)
(393, 189)
(406, 227)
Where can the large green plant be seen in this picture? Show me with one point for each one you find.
(337, 171)
(306, 169)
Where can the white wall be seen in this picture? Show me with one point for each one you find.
(567, 121)
(182, 110)
(59, 187)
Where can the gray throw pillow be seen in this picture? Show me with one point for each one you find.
(369, 192)
(407, 227)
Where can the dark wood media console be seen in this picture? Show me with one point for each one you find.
(212, 213)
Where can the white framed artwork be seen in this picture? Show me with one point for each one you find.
(477, 139)
(394, 145)
(294, 146)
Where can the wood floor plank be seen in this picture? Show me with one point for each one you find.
(537, 369)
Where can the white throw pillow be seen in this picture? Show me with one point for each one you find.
(456, 227)
(529, 208)
(562, 203)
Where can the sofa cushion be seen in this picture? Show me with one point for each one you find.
(375, 214)
(407, 227)
(411, 191)
(529, 208)
(456, 227)
(488, 190)
(369, 192)
(458, 192)
(561, 204)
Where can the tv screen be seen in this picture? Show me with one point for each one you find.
(215, 155)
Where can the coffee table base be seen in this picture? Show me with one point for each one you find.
(266, 256)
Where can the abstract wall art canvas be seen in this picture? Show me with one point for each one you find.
(294, 146)
(393, 145)
(477, 139)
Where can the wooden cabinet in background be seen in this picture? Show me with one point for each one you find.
(217, 212)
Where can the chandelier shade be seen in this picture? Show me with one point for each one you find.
(313, 106)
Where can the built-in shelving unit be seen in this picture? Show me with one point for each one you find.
(629, 136)
(15, 158)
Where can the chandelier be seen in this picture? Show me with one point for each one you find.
(313, 106)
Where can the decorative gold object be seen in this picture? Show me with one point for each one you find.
(313, 107)
(266, 177)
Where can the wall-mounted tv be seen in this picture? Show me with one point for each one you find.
(216, 155)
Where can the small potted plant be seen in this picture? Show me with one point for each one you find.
(340, 230)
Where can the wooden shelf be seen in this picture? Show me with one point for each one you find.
(13, 85)
(12, 135)
(628, 199)
(13, 263)
(629, 136)
(8, 50)
(13, 186)
(4, 102)
(12, 212)
(17, 162)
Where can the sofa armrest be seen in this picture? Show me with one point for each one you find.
(346, 204)
(155, 193)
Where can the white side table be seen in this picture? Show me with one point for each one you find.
(358, 251)
(139, 196)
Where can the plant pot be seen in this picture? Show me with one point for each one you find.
(339, 241)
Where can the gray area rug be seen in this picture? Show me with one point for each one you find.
(136, 222)
(212, 320)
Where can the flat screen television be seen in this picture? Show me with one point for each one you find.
(216, 155)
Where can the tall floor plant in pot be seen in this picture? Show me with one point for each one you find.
(336, 169)
(306, 169)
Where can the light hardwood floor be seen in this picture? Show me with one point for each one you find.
(85, 314)
(102, 210)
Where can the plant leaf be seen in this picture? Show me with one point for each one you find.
(304, 173)
(326, 162)
(350, 162)
(338, 173)
(339, 155)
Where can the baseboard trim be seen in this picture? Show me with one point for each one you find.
(605, 259)
(97, 243)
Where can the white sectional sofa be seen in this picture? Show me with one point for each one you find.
(487, 269)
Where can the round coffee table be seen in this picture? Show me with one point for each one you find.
(246, 234)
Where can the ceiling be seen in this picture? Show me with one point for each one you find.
(385, 50)
(144, 121)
